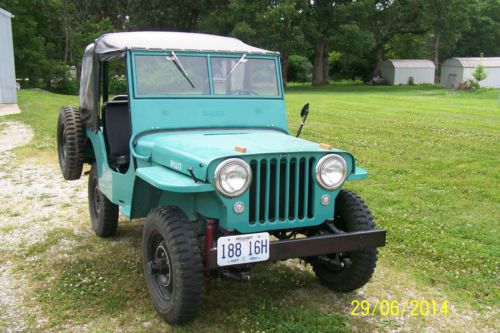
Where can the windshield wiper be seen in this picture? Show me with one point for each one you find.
(242, 59)
(177, 63)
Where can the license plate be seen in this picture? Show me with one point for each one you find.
(242, 249)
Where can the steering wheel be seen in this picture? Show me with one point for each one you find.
(120, 98)
(244, 92)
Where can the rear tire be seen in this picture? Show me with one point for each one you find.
(172, 265)
(70, 142)
(103, 213)
(351, 214)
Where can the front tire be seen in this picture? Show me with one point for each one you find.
(172, 265)
(351, 214)
(103, 213)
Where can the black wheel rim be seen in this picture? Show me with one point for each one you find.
(162, 277)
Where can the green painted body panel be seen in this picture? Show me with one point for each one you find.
(182, 113)
(169, 180)
(172, 135)
(204, 150)
(358, 174)
(116, 186)
(200, 148)
(240, 222)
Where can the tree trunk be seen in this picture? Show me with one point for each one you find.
(379, 59)
(318, 62)
(326, 65)
(436, 56)
(284, 68)
(66, 32)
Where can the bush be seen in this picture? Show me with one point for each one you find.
(118, 85)
(299, 69)
(66, 86)
(473, 84)
(480, 74)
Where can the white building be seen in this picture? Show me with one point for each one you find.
(457, 70)
(399, 71)
(7, 71)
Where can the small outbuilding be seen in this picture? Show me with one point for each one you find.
(7, 71)
(399, 71)
(458, 70)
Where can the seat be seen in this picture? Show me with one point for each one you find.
(117, 130)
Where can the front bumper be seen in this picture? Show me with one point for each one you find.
(315, 246)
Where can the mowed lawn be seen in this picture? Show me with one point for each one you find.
(433, 159)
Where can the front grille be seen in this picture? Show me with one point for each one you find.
(282, 189)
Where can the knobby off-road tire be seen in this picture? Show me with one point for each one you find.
(70, 142)
(169, 245)
(103, 213)
(351, 214)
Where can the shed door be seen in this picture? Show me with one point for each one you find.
(452, 78)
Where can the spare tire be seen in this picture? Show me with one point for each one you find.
(70, 142)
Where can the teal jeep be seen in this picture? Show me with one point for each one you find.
(198, 145)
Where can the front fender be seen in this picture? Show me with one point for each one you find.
(169, 180)
(358, 174)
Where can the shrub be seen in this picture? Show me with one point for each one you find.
(479, 74)
(66, 86)
(299, 69)
(473, 84)
(117, 85)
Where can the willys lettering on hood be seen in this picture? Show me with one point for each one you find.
(197, 149)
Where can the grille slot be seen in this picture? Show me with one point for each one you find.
(282, 189)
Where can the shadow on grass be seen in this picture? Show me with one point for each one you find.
(91, 279)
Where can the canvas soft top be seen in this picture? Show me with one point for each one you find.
(113, 45)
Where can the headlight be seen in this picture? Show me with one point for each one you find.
(232, 177)
(331, 171)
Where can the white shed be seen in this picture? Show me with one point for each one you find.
(457, 70)
(7, 71)
(399, 71)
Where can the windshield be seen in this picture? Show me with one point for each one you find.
(173, 75)
(178, 74)
(240, 76)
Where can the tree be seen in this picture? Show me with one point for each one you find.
(274, 25)
(357, 35)
(323, 18)
(483, 32)
(167, 15)
(447, 20)
(480, 74)
(390, 20)
(38, 51)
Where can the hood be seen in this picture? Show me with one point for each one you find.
(182, 150)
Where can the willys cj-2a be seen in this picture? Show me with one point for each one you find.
(198, 145)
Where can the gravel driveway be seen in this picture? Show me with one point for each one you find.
(31, 200)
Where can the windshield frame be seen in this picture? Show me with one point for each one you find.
(208, 55)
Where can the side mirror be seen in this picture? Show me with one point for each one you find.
(305, 110)
(303, 113)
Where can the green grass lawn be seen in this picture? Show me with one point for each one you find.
(433, 159)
